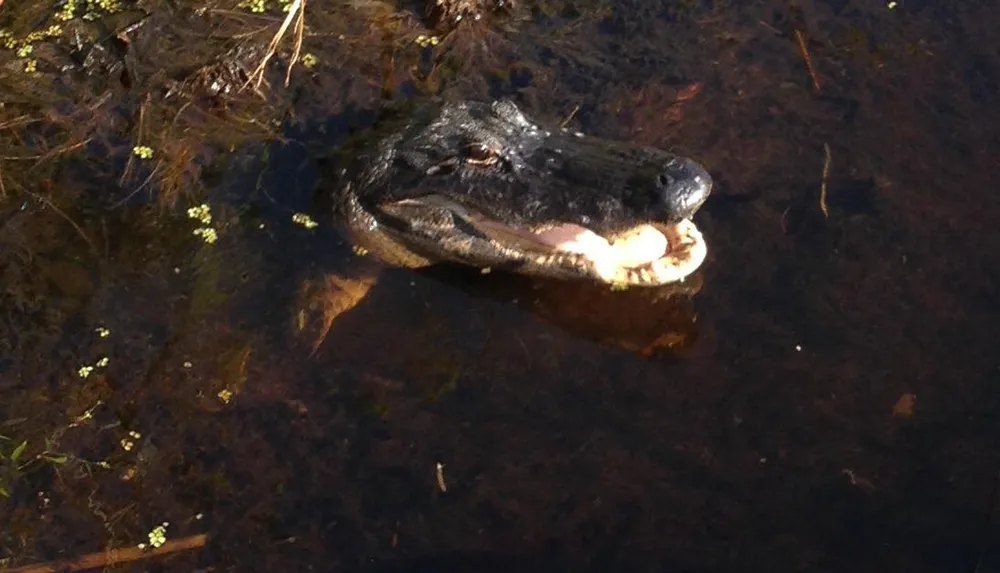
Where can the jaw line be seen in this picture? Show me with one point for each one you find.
(686, 250)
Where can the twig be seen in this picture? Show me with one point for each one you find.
(770, 27)
(112, 557)
(18, 121)
(46, 156)
(47, 201)
(63, 149)
(140, 187)
(258, 75)
(440, 479)
(131, 155)
(805, 55)
(576, 108)
(826, 173)
(99, 102)
(300, 26)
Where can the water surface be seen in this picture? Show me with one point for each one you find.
(824, 401)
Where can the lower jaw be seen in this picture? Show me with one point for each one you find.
(686, 253)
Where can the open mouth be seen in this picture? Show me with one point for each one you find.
(649, 254)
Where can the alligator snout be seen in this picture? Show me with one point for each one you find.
(682, 185)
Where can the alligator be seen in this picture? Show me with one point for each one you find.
(481, 184)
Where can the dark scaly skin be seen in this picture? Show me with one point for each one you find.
(469, 183)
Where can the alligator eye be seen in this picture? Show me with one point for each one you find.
(479, 154)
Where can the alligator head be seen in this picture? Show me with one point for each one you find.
(481, 184)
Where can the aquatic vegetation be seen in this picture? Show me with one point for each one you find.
(157, 536)
(261, 6)
(9, 463)
(201, 213)
(87, 9)
(304, 220)
(208, 235)
(423, 40)
(142, 151)
(127, 443)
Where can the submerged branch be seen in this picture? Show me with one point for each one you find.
(112, 557)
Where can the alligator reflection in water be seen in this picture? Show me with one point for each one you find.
(656, 322)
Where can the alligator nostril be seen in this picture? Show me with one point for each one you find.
(683, 185)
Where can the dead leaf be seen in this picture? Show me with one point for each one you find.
(904, 406)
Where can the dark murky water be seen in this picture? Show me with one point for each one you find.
(827, 401)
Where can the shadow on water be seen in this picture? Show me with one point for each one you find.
(180, 345)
